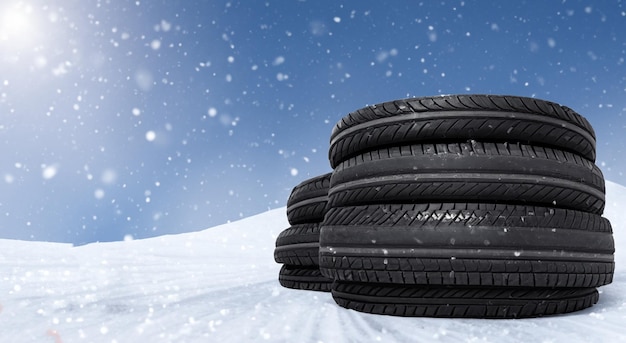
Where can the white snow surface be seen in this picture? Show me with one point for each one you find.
(221, 285)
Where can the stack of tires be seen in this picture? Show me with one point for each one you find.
(464, 206)
(297, 247)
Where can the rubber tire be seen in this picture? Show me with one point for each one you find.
(306, 278)
(298, 245)
(469, 172)
(467, 244)
(307, 201)
(300, 233)
(453, 118)
(462, 302)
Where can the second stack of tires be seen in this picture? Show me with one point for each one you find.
(465, 206)
(297, 247)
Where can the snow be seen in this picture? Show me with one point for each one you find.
(150, 136)
(220, 285)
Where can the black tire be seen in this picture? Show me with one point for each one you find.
(469, 172)
(304, 254)
(459, 118)
(462, 302)
(300, 233)
(298, 245)
(469, 244)
(307, 278)
(307, 201)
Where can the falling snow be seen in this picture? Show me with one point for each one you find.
(49, 172)
(100, 101)
(278, 60)
(155, 44)
(150, 136)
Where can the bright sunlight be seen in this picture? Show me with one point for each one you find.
(16, 25)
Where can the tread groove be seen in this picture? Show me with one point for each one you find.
(509, 118)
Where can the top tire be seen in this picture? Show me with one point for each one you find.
(451, 118)
(307, 201)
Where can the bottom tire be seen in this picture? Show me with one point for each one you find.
(461, 302)
(307, 278)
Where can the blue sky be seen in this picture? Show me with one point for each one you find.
(143, 118)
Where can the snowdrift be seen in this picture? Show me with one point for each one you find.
(220, 285)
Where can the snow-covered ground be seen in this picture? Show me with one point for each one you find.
(220, 285)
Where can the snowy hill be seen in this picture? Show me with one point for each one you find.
(220, 285)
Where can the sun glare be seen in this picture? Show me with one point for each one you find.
(16, 25)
